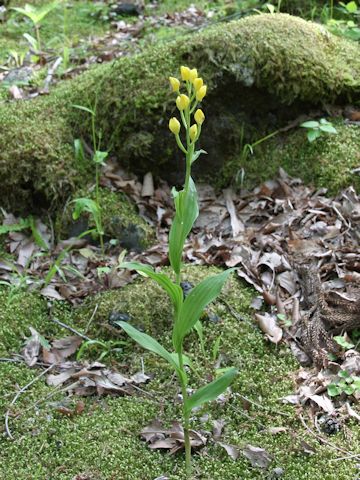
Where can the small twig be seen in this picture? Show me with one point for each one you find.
(50, 74)
(249, 417)
(234, 313)
(91, 318)
(51, 394)
(22, 390)
(85, 337)
(347, 457)
(326, 442)
(150, 395)
(10, 360)
(264, 407)
(20, 359)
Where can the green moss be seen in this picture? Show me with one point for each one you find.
(103, 441)
(327, 162)
(119, 218)
(285, 57)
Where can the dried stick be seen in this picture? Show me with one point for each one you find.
(22, 390)
(326, 442)
(50, 74)
(61, 324)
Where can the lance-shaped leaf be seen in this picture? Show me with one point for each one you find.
(173, 290)
(194, 305)
(211, 390)
(187, 211)
(149, 343)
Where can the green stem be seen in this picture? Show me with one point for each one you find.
(97, 196)
(186, 416)
(37, 31)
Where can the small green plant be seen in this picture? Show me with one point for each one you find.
(345, 383)
(316, 129)
(107, 349)
(342, 341)
(284, 320)
(348, 25)
(88, 205)
(246, 151)
(187, 311)
(27, 223)
(16, 58)
(18, 285)
(56, 266)
(36, 15)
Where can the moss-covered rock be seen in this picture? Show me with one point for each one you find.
(120, 220)
(327, 162)
(254, 67)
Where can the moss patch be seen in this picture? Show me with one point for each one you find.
(327, 162)
(284, 56)
(103, 441)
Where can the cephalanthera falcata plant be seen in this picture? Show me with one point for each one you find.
(187, 311)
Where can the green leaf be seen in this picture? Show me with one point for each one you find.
(186, 360)
(88, 205)
(37, 235)
(351, 7)
(187, 211)
(342, 384)
(100, 157)
(32, 41)
(356, 383)
(197, 155)
(310, 124)
(36, 14)
(149, 343)
(344, 374)
(211, 391)
(79, 151)
(194, 304)
(333, 390)
(85, 109)
(313, 135)
(328, 129)
(349, 389)
(23, 224)
(173, 290)
(43, 342)
(340, 340)
(198, 327)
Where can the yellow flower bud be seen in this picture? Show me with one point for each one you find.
(175, 83)
(193, 74)
(185, 73)
(174, 125)
(182, 102)
(199, 116)
(198, 83)
(200, 94)
(193, 132)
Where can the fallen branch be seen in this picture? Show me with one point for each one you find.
(50, 75)
(22, 390)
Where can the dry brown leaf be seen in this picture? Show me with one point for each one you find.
(257, 456)
(61, 349)
(31, 350)
(231, 450)
(268, 325)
